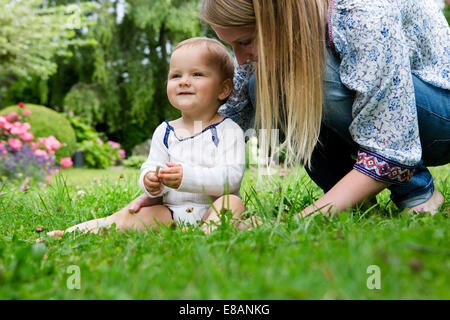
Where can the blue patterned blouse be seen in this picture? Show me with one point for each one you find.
(380, 43)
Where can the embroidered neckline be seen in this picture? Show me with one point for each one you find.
(211, 126)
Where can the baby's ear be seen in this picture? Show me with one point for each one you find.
(227, 87)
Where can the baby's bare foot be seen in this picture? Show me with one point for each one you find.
(56, 233)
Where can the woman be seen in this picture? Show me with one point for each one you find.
(356, 78)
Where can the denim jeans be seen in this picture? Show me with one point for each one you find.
(334, 156)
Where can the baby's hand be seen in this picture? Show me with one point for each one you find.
(171, 176)
(152, 184)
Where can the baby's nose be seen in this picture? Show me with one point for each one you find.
(185, 81)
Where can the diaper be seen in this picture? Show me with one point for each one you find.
(188, 213)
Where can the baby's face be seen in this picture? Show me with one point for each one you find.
(194, 86)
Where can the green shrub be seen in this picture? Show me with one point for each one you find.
(97, 154)
(83, 131)
(46, 122)
(134, 162)
(83, 100)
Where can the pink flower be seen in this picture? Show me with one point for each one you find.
(15, 144)
(41, 153)
(122, 153)
(27, 112)
(26, 126)
(50, 143)
(3, 150)
(282, 173)
(18, 129)
(27, 136)
(66, 162)
(5, 124)
(113, 144)
(53, 143)
(13, 116)
(3, 121)
(21, 105)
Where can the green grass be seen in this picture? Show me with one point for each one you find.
(316, 258)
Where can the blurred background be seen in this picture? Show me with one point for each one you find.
(101, 65)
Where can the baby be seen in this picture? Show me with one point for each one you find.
(201, 154)
(195, 160)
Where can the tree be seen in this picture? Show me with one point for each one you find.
(131, 62)
(126, 70)
(32, 34)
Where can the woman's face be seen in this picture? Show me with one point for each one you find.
(242, 40)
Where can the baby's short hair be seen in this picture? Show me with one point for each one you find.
(218, 54)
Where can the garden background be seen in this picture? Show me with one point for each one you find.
(91, 77)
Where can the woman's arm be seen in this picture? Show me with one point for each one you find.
(351, 190)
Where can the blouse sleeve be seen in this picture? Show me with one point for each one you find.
(238, 106)
(158, 156)
(226, 176)
(375, 64)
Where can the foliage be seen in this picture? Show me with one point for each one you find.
(24, 156)
(98, 154)
(83, 131)
(127, 69)
(315, 258)
(83, 100)
(31, 34)
(134, 162)
(46, 122)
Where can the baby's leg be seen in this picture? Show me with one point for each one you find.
(227, 202)
(146, 218)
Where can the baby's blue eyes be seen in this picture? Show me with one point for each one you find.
(195, 74)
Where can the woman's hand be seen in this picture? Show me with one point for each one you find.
(171, 176)
(350, 191)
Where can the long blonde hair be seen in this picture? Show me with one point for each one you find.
(290, 68)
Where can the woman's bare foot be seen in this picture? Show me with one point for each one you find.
(209, 226)
(244, 225)
(432, 205)
(250, 223)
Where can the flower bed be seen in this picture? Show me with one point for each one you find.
(24, 157)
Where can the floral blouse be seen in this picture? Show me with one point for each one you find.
(380, 43)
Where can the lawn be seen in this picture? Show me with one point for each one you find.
(285, 258)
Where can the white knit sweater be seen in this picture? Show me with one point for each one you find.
(213, 162)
